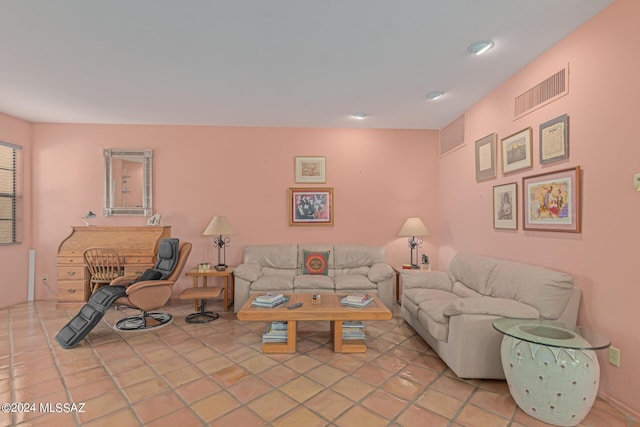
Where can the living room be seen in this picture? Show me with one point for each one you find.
(380, 177)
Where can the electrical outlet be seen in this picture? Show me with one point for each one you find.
(45, 277)
(614, 356)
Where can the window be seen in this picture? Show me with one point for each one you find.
(11, 194)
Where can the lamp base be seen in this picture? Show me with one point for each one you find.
(221, 267)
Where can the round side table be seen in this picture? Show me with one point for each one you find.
(552, 372)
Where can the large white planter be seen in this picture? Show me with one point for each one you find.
(554, 384)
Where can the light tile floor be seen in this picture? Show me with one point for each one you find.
(215, 374)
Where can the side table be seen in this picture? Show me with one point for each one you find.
(227, 276)
(552, 372)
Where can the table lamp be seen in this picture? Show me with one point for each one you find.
(414, 227)
(219, 227)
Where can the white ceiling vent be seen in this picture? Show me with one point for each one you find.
(543, 93)
(452, 135)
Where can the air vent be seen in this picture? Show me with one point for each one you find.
(452, 135)
(543, 93)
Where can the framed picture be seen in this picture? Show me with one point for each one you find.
(554, 140)
(311, 169)
(486, 157)
(505, 206)
(551, 201)
(516, 151)
(311, 206)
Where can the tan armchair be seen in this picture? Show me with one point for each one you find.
(147, 295)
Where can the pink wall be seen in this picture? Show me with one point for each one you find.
(380, 177)
(14, 259)
(603, 109)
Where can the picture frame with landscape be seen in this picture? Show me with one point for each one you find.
(516, 151)
(310, 169)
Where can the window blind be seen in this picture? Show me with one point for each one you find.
(11, 194)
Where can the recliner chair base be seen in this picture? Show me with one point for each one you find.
(143, 322)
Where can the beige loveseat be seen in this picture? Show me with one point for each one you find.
(453, 312)
(279, 268)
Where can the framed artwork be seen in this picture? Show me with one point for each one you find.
(516, 151)
(551, 201)
(311, 206)
(310, 169)
(505, 206)
(486, 157)
(554, 140)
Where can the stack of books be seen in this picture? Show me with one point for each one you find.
(357, 300)
(275, 332)
(269, 300)
(353, 330)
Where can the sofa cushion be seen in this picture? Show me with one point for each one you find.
(426, 279)
(315, 262)
(438, 330)
(350, 282)
(313, 281)
(547, 290)
(435, 308)
(347, 256)
(315, 248)
(491, 306)
(362, 271)
(274, 256)
(472, 270)
(271, 282)
(248, 272)
(462, 291)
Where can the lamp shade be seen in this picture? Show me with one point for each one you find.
(219, 226)
(413, 227)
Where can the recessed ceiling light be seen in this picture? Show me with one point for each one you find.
(360, 116)
(480, 47)
(435, 94)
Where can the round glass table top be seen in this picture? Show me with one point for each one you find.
(552, 334)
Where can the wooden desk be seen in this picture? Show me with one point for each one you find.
(227, 276)
(137, 247)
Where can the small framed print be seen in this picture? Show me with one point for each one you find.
(516, 151)
(551, 201)
(554, 140)
(311, 206)
(505, 206)
(486, 157)
(310, 170)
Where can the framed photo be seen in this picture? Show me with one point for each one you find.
(554, 140)
(551, 201)
(505, 206)
(516, 151)
(311, 169)
(486, 157)
(311, 206)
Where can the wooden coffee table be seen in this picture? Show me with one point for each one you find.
(329, 308)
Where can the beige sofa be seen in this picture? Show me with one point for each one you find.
(279, 268)
(453, 312)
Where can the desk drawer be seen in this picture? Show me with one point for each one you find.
(71, 273)
(72, 290)
(135, 259)
(73, 260)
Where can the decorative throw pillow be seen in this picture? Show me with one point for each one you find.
(315, 263)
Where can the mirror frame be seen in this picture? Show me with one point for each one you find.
(147, 177)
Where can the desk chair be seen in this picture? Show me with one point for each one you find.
(104, 266)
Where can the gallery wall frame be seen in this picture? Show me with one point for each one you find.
(551, 201)
(516, 151)
(505, 206)
(486, 157)
(554, 140)
(311, 206)
(310, 169)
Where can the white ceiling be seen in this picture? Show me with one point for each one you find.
(300, 63)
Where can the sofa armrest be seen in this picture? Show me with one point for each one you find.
(426, 279)
(379, 272)
(248, 272)
(491, 306)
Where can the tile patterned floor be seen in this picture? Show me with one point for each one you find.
(215, 374)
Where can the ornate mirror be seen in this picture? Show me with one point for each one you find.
(127, 182)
